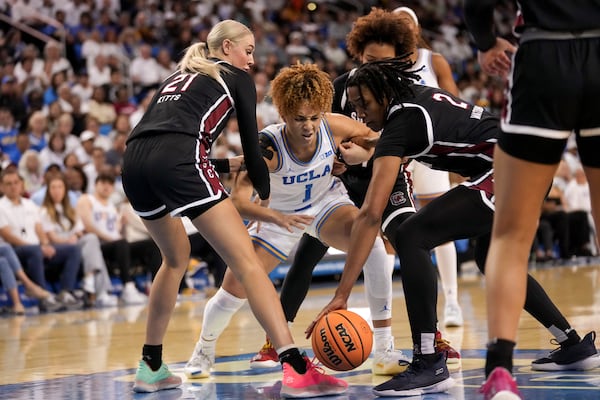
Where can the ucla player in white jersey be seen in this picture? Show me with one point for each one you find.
(305, 198)
(428, 184)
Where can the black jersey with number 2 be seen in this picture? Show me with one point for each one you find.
(441, 131)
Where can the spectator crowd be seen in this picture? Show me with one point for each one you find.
(76, 76)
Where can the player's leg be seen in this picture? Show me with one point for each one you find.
(335, 231)
(235, 248)
(169, 235)
(219, 310)
(429, 184)
(295, 286)
(457, 213)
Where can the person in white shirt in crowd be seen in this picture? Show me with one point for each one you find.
(37, 128)
(166, 65)
(582, 236)
(27, 76)
(101, 217)
(31, 170)
(100, 140)
(62, 225)
(54, 61)
(99, 70)
(102, 109)
(97, 164)
(64, 128)
(21, 227)
(265, 110)
(144, 70)
(64, 97)
(84, 151)
(82, 88)
(54, 153)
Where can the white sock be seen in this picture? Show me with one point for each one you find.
(383, 337)
(217, 314)
(378, 282)
(445, 256)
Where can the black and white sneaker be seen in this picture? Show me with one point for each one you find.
(421, 377)
(578, 357)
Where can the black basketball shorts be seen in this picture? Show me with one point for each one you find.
(553, 90)
(170, 174)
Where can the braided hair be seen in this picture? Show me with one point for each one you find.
(389, 79)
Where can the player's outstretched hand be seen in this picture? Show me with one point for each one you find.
(339, 302)
(353, 153)
(496, 61)
(290, 221)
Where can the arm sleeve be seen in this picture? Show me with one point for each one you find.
(245, 106)
(338, 92)
(479, 18)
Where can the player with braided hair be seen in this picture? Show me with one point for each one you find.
(434, 127)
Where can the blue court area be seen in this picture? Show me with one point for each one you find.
(233, 379)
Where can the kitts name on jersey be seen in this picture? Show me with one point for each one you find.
(168, 97)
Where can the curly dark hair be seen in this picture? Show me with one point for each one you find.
(299, 83)
(380, 26)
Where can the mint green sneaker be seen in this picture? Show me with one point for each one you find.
(147, 381)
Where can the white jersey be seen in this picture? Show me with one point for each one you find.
(106, 218)
(296, 185)
(427, 183)
(427, 74)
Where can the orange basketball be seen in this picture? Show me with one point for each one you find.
(342, 340)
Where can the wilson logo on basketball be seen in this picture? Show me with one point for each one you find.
(328, 351)
(348, 343)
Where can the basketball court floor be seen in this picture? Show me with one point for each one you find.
(92, 354)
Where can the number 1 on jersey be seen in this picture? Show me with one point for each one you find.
(307, 192)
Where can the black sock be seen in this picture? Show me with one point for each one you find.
(572, 338)
(499, 354)
(294, 358)
(152, 354)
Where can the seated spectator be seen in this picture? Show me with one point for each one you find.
(97, 164)
(101, 217)
(553, 211)
(143, 249)
(21, 226)
(10, 271)
(55, 152)
(579, 206)
(30, 169)
(114, 157)
(37, 128)
(102, 110)
(544, 242)
(63, 225)
(8, 133)
(76, 181)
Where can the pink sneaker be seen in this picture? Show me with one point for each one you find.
(266, 358)
(315, 382)
(442, 345)
(500, 385)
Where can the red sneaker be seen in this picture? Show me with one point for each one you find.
(266, 358)
(314, 382)
(442, 345)
(500, 385)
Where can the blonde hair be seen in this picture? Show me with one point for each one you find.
(195, 59)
